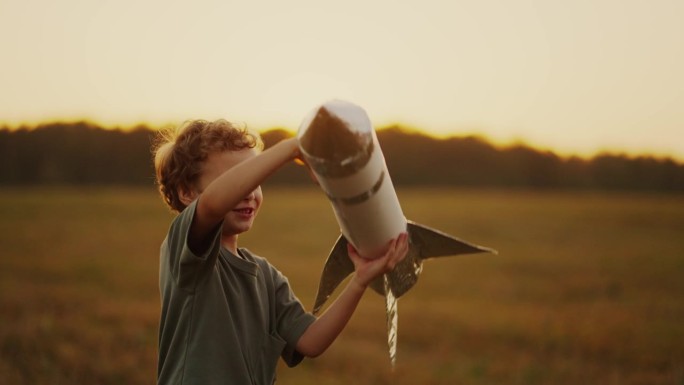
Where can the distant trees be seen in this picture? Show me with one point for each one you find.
(75, 153)
(82, 153)
(471, 161)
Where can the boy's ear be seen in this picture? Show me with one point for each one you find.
(186, 195)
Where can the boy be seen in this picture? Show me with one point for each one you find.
(227, 315)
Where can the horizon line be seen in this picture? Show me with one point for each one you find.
(403, 127)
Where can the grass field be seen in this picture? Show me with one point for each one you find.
(587, 288)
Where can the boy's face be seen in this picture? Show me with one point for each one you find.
(241, 218)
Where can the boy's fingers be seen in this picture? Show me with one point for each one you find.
(351, 250)
(396, 258)
(402, 243)
(397, 251)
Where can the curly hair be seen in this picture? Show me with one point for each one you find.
(180, 153)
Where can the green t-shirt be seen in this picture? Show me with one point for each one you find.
(224, 319)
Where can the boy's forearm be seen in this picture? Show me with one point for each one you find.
(323, 332)
(318, 337)
(226, 191)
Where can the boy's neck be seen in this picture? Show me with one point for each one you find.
(230, 243)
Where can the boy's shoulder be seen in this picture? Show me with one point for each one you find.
(183, 218)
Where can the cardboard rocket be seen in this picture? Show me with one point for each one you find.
(339, 143)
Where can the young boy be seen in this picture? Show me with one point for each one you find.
(227, 314)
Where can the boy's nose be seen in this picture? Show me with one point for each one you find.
(250, 196)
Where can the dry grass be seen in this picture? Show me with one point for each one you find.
(587, 288)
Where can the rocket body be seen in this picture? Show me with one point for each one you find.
(339, 143)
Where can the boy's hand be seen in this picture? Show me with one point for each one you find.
(369, 269)
(300, 160)
(293, 145)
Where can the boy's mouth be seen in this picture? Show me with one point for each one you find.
(245, 211)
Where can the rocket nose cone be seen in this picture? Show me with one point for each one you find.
(352, 115)
(336, 131)
(355, 116)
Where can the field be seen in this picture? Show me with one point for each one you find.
(588, 288)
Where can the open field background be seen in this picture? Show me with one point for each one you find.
(587, 288)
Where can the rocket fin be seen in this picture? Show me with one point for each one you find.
(434, 243)
(338, 266)
(424, 243)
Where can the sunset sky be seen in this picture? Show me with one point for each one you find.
(576, 76)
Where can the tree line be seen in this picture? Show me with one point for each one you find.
(83, 153)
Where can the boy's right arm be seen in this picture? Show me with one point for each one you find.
(226, 191)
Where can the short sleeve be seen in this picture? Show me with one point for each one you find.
(187, 268)
(292, 320)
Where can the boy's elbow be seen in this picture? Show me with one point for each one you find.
(212, 209)
(206, 205)
(309, 348)
(313, 353)
(310, 352)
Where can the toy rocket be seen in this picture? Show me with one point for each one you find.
(339, 143)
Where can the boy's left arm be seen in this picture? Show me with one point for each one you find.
(321, 334)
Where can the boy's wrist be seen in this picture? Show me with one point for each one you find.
(291, 147)
(358, 283)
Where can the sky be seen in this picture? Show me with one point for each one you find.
(575, 77)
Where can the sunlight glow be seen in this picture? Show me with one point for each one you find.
(576, 77)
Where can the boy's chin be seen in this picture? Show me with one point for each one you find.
(237, 228)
